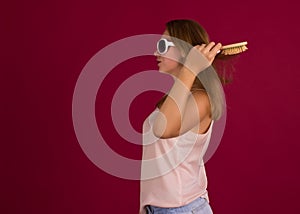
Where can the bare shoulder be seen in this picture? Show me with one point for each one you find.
(201, 98)
(204, 110)
(203, 103)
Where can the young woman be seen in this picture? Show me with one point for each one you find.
(177, 133)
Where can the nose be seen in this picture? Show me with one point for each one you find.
(156, 53)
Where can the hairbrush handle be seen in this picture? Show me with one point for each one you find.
(239, 47)
(234, 45)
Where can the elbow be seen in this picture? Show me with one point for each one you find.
(157, 132)
(163, 129)
(164, 134)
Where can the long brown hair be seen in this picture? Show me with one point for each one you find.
(193, 33)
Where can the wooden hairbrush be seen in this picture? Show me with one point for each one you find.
(233, 49)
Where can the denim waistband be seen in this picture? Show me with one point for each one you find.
(186, 208)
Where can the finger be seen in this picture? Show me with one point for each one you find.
(209, 47)
(214, 51)
(216, 48)
(197, 47)
(201, 47)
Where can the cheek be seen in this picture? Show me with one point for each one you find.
(171, 60)
(171, 63)
(168, 65)
(173, 54)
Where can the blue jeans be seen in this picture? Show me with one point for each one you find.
(198, 206)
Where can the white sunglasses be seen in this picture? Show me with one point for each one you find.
(163, 46)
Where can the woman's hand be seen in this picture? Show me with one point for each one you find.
(201, 56)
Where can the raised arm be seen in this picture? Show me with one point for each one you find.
(182, 111)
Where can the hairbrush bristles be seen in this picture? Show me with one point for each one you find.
(233, 49)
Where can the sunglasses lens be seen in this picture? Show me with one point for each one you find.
(161, 46)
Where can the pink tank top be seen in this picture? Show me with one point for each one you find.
(172, 172)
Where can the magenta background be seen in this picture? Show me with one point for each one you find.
(45, 44)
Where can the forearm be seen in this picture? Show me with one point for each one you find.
(168, 122)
